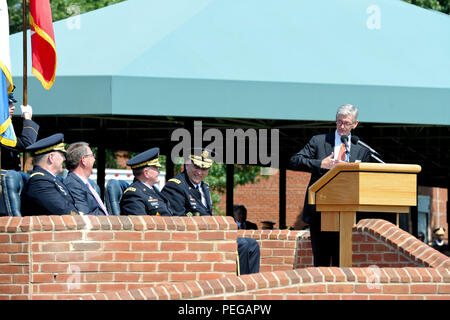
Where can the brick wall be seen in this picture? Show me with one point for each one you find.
(57, 257)
(70, 257)
(307, 284)
(438, 210)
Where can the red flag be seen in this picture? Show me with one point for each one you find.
(42, 42)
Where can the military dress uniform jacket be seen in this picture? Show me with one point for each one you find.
(310, 158)
(139, 199)
(84, 199)
(45, 194)
(184, 199)
(11, 155)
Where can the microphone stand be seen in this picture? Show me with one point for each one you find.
(376, 158)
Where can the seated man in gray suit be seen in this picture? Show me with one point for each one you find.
(79, 161)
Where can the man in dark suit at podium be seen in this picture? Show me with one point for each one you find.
(321, 154)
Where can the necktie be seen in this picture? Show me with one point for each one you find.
(97, 197)
(197, 192)
(341, 155)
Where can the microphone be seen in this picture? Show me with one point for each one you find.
(344, 140)
(355, 140)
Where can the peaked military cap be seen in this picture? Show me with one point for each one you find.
(11, 98)
(268, 224)
(49, 144)
(439, 231)
(145, 159)
(201, 157)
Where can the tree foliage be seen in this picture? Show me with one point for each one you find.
(61, 9)
(438, 5)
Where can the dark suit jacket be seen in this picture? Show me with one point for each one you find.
(184, 199)
(44, 194)
(139, 199)
(310, 157)
(84, 199)
(11, 155)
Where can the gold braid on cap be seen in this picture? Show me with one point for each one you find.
(154, 162)
(201, 161)
(56, 147)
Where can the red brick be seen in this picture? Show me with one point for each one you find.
(183, 276)
(5, 269)
(210, 275)
(396, 289)
(99, 256)
(184, 236)
(10, 248)
(20, 237)
(185, 256)
(157, 235)
(145, 246)
(211, 256)
(128, 235)
(41, 257)
(173, 246)
(113, 267)
(198, 267)
(423, 288)
(41, 236)
(19, 258)
(99, 277)
(340, 288)
(155, 277)
(42, 277)
(127, 277)
(116, 246)
(221, 246)
(99, 235)
(5, 278)
(368, 288)
(10, 289)
(156, 256)
(86, 246)
(313, 288)
(67, 236)
(211, 235)
(69, 257)
(128, 256)
(171, 267)
(224, 267)
(444, 288)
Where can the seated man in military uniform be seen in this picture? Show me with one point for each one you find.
(44, 193)
(189, 195)
(187, 192)
(142, 197)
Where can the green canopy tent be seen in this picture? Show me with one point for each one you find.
(134, 71)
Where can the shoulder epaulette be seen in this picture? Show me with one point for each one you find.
(129, 189)
(175, 180)
(37, 174)
(206, 183)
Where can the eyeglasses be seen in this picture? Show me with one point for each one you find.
(90, 154)
(345, 123)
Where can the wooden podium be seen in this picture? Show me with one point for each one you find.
(362, 187)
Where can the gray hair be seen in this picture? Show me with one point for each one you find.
(75, 152)
(348, 109)
(37, 159)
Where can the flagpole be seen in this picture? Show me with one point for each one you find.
(24, 28)
(25, 82)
